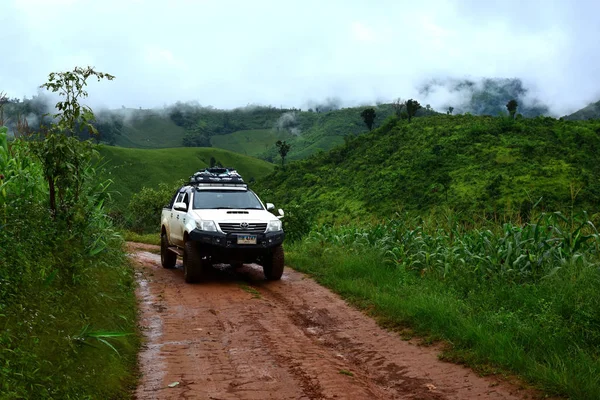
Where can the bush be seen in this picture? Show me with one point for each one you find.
(146, 206)
(296, 222)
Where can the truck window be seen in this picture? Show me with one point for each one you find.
(173, 199)
(223, 199)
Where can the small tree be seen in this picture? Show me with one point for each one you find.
(368, 115)
(282, 148)
(512, 106)
(64, 158)
(450, 110)
(398, 106)
(412, 106)
(70, 84)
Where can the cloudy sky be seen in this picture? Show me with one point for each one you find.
(230, 53)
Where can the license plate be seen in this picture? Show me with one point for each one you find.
(246, 239)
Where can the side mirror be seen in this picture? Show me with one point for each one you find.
(281, 213)
(270, 206)
(180, 206)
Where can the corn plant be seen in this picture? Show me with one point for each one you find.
(518, 253)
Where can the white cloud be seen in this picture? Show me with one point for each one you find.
(362, 33)
(230, 53)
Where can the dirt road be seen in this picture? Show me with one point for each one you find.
(239, 337)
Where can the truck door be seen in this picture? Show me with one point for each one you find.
(176, 225)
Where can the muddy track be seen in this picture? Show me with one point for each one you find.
(237, 336)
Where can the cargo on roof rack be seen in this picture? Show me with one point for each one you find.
(217, 176)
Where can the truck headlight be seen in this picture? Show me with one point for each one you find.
(206, 225)
(274, 226)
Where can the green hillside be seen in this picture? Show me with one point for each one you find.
(251, 131)
(473, 164)
(592, 111)
(148, 129)
(132, 169)
(252, 142)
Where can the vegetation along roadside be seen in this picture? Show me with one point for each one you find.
(446, 227)
(67, 303)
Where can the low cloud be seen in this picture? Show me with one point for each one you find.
(229, 54)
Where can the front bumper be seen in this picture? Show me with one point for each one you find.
(229, 240)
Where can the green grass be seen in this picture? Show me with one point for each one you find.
(148, 238)
(60, 341)
(133, 169)
(250, 142)
(248, 289)
(148, 129)
(539, 320)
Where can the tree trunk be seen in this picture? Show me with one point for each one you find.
(52, 195)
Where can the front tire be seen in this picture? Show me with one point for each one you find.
(168, 259)
(193, 265)
(273, 264)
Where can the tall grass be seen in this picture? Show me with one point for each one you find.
(67, 304)
(521, 298)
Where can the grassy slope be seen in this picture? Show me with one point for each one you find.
(487, 164)
(132, 169)
(251, 142)
(150, 130)
(256, 136)
(592, 111)
(324, 131)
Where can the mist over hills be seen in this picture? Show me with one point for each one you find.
(483, 97)
(253, 130)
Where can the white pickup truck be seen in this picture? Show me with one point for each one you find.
(216, 219)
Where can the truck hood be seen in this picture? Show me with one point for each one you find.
(234, 215)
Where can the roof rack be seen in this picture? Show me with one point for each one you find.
(217, 176)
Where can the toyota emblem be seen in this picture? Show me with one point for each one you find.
(243, 225)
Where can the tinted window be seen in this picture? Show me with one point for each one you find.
(226, 199)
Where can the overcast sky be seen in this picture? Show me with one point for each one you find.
(231, 53)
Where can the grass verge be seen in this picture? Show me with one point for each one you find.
(73, 341)
(548, 332)
(147, 238)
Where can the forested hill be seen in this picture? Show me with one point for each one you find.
(592, 111)
(490, 165)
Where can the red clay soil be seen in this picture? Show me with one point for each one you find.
(237, 336)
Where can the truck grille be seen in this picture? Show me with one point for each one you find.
(237, 227)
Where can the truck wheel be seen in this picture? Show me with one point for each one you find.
(273, 264)
(193, 265)
(167, 257)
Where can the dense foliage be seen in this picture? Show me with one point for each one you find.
(475, 165)
(67, 307)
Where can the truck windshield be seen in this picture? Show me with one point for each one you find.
(224, 199)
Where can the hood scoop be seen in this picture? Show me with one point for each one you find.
(238, 212)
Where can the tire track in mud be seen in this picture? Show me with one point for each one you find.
(296, 340)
